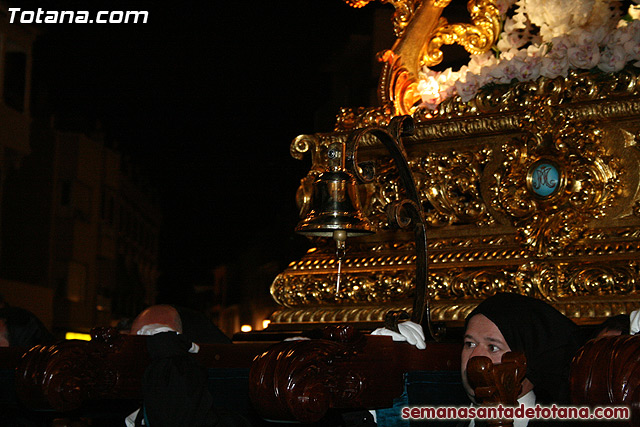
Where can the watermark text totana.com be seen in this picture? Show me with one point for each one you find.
(40, 16)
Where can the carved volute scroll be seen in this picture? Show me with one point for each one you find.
(477, 37)
(302, 380)
(606, 372)
(106, 372)
(497, 384)
(65, 375)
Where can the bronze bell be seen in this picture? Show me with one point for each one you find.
(333, 208)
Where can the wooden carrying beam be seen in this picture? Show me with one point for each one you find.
(302, 380)
(606, 372)
(109, 368)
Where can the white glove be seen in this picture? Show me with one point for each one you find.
(634, 326)
(156, 328)
(409, 331)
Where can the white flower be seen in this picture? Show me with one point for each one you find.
(558, 46)
(516, 32)
(557, 17)
(536, 51)
(429, 92)
(632, 50)
(596, 36)
(530, 68)
(619, 37)
(512, 40)
(467, 89)
(570, 34)
(585, 56)
(554, 66)
(634, 30)
(477, 62)
(507, 55)
(435, 87)
(604, 15)
(612, 59)
(505, 72)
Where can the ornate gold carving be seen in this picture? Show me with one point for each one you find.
(602, 280)
(538, 279)
(324, 314)
(400, 84)
(476, 38)
(451, 184)
(301, 145)
(357, 4)
(421, 33)
(456, 291)
(361, 288)
(304, 144)
(350, 119)
(448, 183)
(576, 247)
(389, 278)
(576, 87)
(587, 183)
(453, 311)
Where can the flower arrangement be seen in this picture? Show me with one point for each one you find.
(544, 38)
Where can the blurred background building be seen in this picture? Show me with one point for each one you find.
(85, 238)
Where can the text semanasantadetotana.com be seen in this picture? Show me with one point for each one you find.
(515, 412)
(41, 16)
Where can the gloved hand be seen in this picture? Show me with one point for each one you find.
(634, 326)
(156, 328)
(410, 332)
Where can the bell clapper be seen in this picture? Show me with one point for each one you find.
(340, 236)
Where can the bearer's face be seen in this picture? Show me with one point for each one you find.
(482, 338)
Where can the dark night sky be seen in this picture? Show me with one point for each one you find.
(207, 96)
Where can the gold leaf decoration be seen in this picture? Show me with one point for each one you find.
(587, 183)
(477, 37)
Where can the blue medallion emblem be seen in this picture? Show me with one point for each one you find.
(545, 179)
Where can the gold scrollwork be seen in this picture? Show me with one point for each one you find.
(602, 280)
(351, 119)
(476, 38)
(575, 247)
(421, 33)
(299, 146)
(356, 288)
(577, 87)
(448, 183)
(537, 279)
(460, 284)
(399, 83)
(548, 225)
(375, 313)
(303, 144)
(577, 289)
